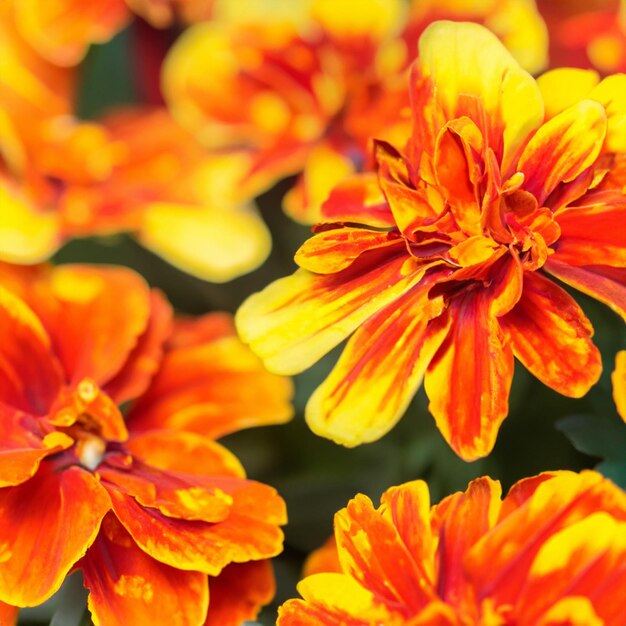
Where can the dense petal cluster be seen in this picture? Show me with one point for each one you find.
(551, 553)
(146, 514)
(314, 110)
(441, 257)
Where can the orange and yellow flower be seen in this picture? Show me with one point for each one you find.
(304, 94)
(551, 553)
(439, 262)
(146, 515)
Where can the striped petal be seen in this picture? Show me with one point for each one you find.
(46, 525)
(562, 148)
(378, 373)
(551, 336)
(126, 586)
(296, 320)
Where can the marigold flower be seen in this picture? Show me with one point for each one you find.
(439, 262)
(551, 553)
(306, 97)
(147, 516)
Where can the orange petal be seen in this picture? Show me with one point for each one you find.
(21, 449)
(469, 404)
(324, 559)
(47, 524)
(373, 553)
(8, 614)
(594, 231)
(95, 316)
(249, 533)
(359, 200)
(618, 378)
(551, 336)
(30, 375)
(502, 99)
(379, 372)
(127, 586)
(185, 453)
(562, 148)
(606, 284)
(143, 362)
(239, 592)
(212, 385)
(458, 522)
(331, 251)
(296, 320)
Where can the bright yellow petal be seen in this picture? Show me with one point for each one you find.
(213, 244)
(564, 87)
(618, 378)
(611, 93)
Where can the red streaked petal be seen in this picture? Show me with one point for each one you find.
(551, 336)
(127, 586)
(470, 403)
(209, 382)
(185, 453)
(296, 320)
(30, 375)
(331, 251)
(250, 532)
(563, 147)
(379, 372)
(373, 553)
(594, 231)
(46, 525)
(239, 592)
(143, 362)
(606, 284)
(358, 200)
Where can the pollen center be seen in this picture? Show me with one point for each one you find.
(90, 452)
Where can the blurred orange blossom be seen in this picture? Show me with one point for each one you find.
(148, 515)
(437, 263)
(551, 553)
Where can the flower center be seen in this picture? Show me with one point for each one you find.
(90, 451)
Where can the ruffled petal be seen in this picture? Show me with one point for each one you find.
(127, 586)
(47, 524)
(296, 320)
(551, 336)
(562, 148)
(379, 372)
(212, 384)
(470, 403)
(239, 592)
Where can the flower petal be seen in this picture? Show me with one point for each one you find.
(8, 614)
(606, 284)
(127, 586)
(502, 99)
(212, 385)
(551, 336)
(47, 524)
(239, 592)
(563, 87)
(594, 231)
(379, 372)
(562, 148)
(296, 320)
(469, 404)
(358, 199)
(216, 244)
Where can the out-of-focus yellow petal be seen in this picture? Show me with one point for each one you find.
(611, 93)
(618, 378)
(470, 70)
(213, 244)
(27, 235)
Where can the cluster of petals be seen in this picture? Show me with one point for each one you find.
(302, 91)
(551, 553)
(147, 505)
(440, 262)
(133, 170)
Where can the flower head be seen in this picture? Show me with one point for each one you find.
(306, 95)
(550, 553)
(147, 516)
(438, 263)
